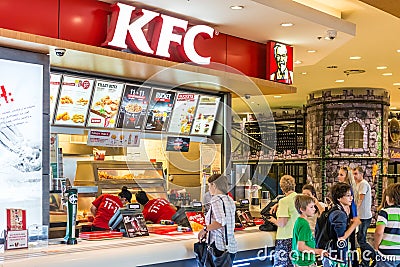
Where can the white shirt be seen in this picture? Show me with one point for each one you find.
(228, 220)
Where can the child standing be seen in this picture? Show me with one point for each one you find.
(303, 245)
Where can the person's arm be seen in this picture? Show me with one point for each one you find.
(301, 245)
(360, 200)
(212, 226)
(280, 222)
(353, 225)
(379, 230)
(93, 210)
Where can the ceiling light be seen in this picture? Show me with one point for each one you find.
(339, 81)
(311, 51)
(396, 84)
(298, 62)
(304, 73)
(381, 67)
(277, 96)
(236, 7)
(252, 102)
(355, 57)
(398, 50)
(287, 24)
(393, 108)
(387, 74)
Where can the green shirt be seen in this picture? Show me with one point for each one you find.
(302, 232)
(287, 209)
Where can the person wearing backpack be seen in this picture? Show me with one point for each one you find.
(336, 222)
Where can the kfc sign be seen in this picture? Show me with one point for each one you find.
(149, 32)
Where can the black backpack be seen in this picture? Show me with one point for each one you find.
(323, 228)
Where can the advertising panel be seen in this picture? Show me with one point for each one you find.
(105, 103)
(205, 115)
(132, 111)
(55, 81)
(159, 111)
(279, 62)
(21, 137)
(183, 113)
(73, 102)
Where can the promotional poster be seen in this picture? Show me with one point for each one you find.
(105, 103)
(205, 115)
(21, 108)
(279, 62)
(160, 108)
(73, 102)
(133, 107)
(183, 113)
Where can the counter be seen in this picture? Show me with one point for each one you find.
(155, 250)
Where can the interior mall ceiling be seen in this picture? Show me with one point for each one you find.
(362, 30)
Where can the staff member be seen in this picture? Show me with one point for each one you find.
(104, 207)
(155, 210)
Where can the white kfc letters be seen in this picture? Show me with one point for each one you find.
(126, 30)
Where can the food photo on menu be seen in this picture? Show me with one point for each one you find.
(55, 81)
(183, 113)
(205, 115)
(105, 103)
(73, 102)
(132, 111)
(180, 144)
(159, 111)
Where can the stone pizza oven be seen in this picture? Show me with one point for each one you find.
(346, 127)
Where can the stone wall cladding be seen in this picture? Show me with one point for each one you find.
(337, 108)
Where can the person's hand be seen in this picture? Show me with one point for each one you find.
(274, 208)
(272, 220)
(202, 235)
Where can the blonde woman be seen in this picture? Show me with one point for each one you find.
(286, 217)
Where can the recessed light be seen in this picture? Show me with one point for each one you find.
(311, 51)
(381, 68)
(304, 73)
(398, 50)
(396, 84)
(287, 24)
(236, 7)
(339, 81)
(355, 57)
(387, 74)
(393, 108)
(277, 96)
(298, 62)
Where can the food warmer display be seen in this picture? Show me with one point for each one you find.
(110, 176)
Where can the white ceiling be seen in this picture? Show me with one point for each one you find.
(362, 31)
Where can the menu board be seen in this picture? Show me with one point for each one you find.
(160, 108)
(73, 102)
(112, 138)
(133, 107)
(105, 103)
(183, 113)
(55, 81)
(205, 115)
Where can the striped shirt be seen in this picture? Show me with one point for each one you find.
(390, 217)
(228, 220)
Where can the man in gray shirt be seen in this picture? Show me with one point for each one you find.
(363, 202)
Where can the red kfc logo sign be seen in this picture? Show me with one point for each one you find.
(149, 32)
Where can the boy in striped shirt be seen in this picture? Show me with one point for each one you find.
(387, 233)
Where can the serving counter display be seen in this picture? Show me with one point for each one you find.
(155, 250)
(110, 176)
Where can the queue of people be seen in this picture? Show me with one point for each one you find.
(349, 210)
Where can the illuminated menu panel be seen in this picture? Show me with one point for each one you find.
(73, 102)
(105, 103)
(132, 111)
(159, 111)
(55, 81)
(205, 115)
(183, 113)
